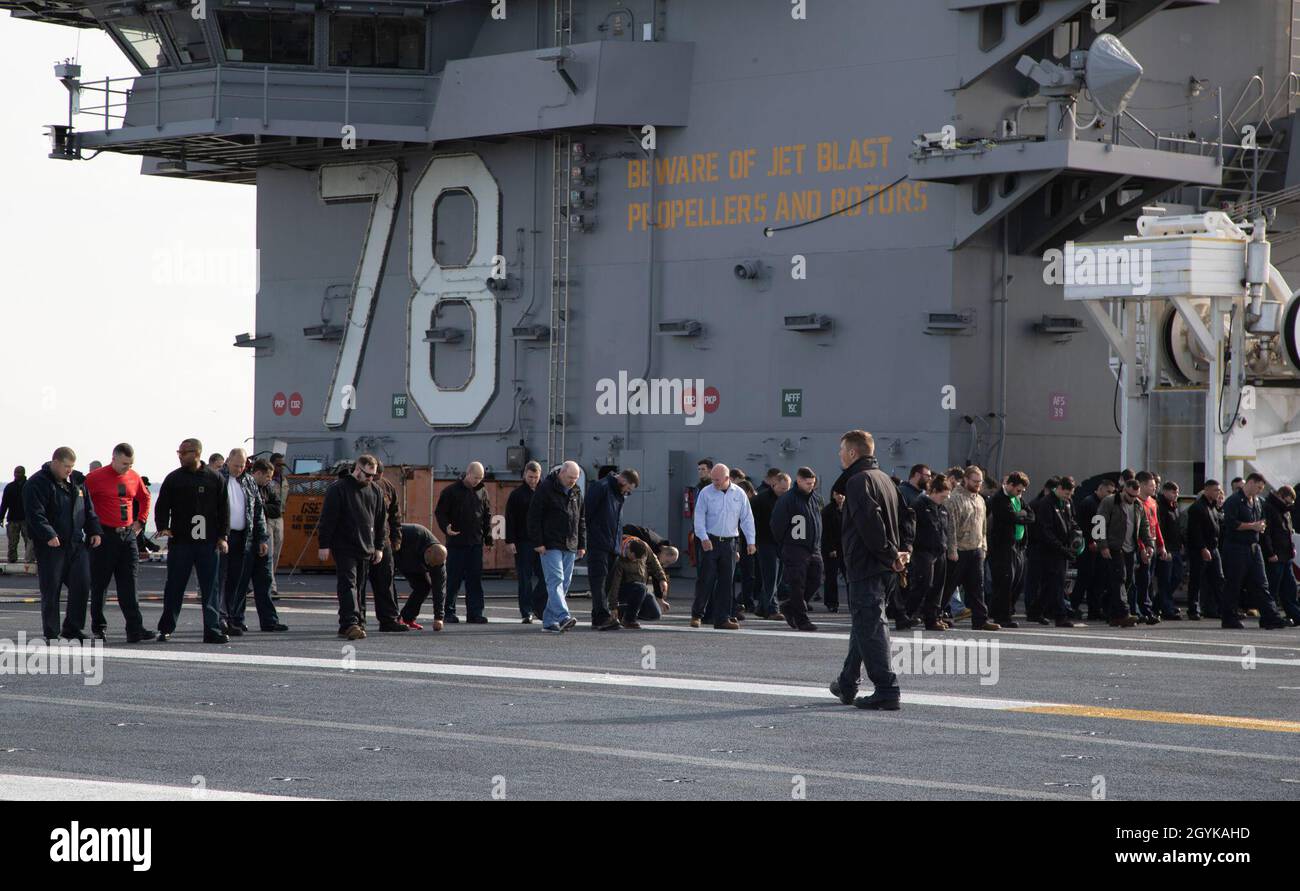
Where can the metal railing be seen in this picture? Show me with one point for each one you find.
(230, 86)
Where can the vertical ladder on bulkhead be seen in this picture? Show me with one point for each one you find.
(561, 148)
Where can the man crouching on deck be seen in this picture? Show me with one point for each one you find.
(876, 538)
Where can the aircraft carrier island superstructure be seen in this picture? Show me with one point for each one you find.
(483, 224)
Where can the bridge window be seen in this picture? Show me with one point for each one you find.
(267, 38)
(374, 41)
(186, 34)
(141, 41)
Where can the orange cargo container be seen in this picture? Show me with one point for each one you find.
(418, 491)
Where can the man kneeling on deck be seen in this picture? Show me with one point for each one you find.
(638, 584)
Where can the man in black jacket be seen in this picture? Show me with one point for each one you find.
(1009, 520)
(1205, 572)
(603, 505)
(930, 550)
(1169, 573)
(61, 522)
(465, 517)
(352, 532)
(528, 564)
(557, 525)
(1279, 550)
(796, 526)
(1033, 556)
(1090, 585)
(1243, 560)
(1057, 541)
(192, 511)
(421, 560)
(877, 537)
(771, 585)
(11, 513)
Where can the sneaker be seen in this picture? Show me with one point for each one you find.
(354, 632)
(568, 623)
(632, 625)
(526, 620)
(987, 625)
(414, 626)
(726, 626)
(391, 627)
(555, 629)
(777, 617)
(695, 621)
(451, 618)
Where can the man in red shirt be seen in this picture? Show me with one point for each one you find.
(1144, 573)
(121, 495)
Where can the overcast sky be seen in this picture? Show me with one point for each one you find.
(122, 294)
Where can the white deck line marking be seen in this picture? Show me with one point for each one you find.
(647, 680)
(23, 787)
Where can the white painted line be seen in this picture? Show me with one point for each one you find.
(20, 787)
(162, 653)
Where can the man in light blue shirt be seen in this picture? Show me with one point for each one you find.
(721, 512)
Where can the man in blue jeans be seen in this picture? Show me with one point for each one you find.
(721, 512)
(557, 523)
(877, 538)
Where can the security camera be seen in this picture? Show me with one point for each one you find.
(749, 270)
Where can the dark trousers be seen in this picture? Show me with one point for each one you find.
(834, 568)
(1090, 585)
(1281, 582)
(969, 573)
(1139, 593)
(599, 566)
(241, 568)
(631, 598)
(1205, 585)
(747, 567)
(1169, 575)
(1120, 581)
(117, 559)
(1033, 584)
(949, 585)
(869, 635)
(1245, 582)
(925, 579)
(465, 564)
(769, 578)
(532, 586)
(430, 581)
(68, 564)
(714, 598)
(803, 573)
(383, 581)
(351, 571)
(1051, 588)
(183, 558)
(1008, 582)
